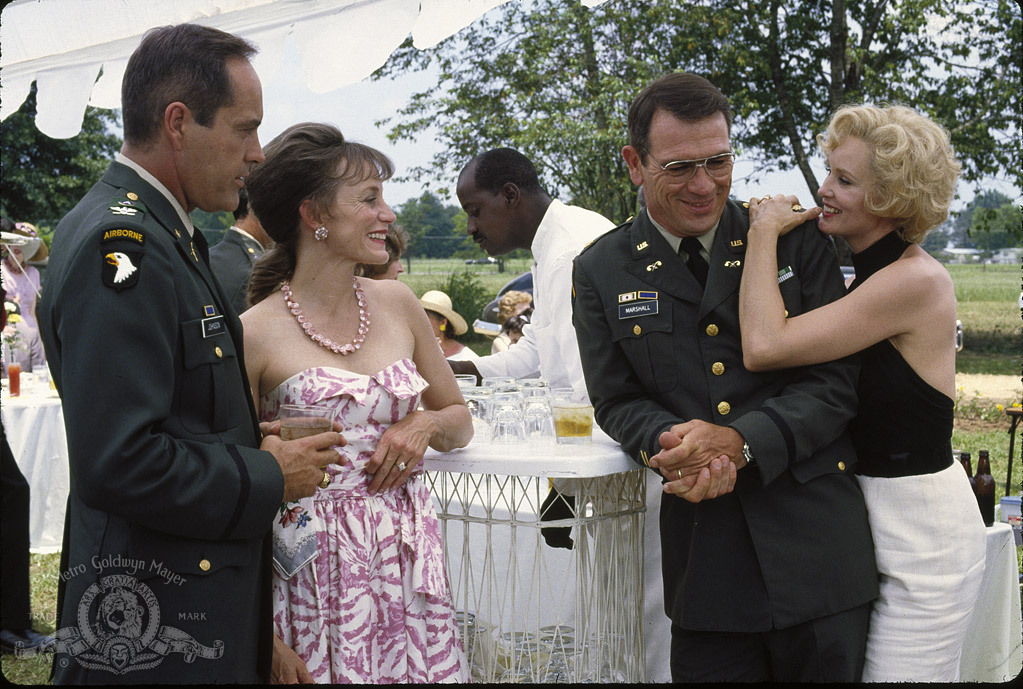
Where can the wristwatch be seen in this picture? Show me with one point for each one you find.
(747, 453)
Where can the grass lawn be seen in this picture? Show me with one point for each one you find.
(987, 297)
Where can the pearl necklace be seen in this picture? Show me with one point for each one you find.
(319, 339)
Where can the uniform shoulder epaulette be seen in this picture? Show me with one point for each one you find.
(605, 234)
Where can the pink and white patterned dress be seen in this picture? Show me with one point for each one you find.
(360, 590)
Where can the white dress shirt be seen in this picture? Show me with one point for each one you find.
(548, 345)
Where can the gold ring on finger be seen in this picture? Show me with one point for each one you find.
(797, 208)
(326, 480)
(679, 473)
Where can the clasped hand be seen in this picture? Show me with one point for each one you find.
(699, 459)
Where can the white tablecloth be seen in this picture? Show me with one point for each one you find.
(34, 423)
(994, 643)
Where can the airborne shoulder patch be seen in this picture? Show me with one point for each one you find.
(121, 250)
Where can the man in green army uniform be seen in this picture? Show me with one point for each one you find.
(165, 570)
(768, 563)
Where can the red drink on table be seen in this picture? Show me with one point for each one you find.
(14, 376)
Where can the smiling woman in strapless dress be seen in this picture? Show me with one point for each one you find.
(360, 591)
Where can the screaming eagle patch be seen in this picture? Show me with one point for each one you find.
(121, 268)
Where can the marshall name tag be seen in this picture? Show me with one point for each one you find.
(213, 326)
(637, 308)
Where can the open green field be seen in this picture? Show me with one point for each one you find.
(987, 304)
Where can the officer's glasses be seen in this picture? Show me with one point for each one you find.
(684, 170)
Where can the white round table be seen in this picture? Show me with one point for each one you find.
(34, 423)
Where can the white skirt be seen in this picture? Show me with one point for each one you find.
(930, 544)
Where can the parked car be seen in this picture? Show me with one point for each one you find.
(486, 260)
(522, 283)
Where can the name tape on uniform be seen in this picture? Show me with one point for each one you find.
(637, 308)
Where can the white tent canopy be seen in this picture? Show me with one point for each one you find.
(76, 50)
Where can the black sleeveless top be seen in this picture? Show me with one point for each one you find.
(903, 426)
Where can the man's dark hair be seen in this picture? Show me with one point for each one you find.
(186, 63)
(685, 96)
(243, 205)
(498, 166)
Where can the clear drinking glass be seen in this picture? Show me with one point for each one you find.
(506, 420)
(537, 414)
(479, 401)
(465, 380)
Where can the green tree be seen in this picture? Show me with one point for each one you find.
(44, 178)
(555, 80)
(431, 226)
(997, 228)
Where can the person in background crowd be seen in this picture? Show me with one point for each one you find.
(22, 280)
(512, 303)
(446, 325)
(231, 259)
(146, 353)
(768, 563)
(360, 587)
(891, 178)
(21, 344)
(397, 242)
(512, 328)
(16, 633)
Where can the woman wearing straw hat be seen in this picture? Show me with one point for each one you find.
(446, 325)
(21, 280)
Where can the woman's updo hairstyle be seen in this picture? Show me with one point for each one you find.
(306, 161)
(914, 167)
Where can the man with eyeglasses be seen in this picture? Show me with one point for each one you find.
(767, 559)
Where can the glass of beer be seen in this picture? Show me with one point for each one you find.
(573, 416)
(300, 420)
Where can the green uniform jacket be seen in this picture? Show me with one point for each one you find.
(168, 490)
(791, 542)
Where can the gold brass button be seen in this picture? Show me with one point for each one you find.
(712, 330)
(724, 408)
(132, 195)
(841, 466)
(636, 329)
(204, 565)
(717, 368)
(219, 352)
(786, 313)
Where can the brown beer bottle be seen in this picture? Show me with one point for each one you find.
(964, 459)
(985, 489)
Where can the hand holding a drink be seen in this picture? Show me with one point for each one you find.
(302, 440)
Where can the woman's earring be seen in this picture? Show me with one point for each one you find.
(442, 327)
(320, 234)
